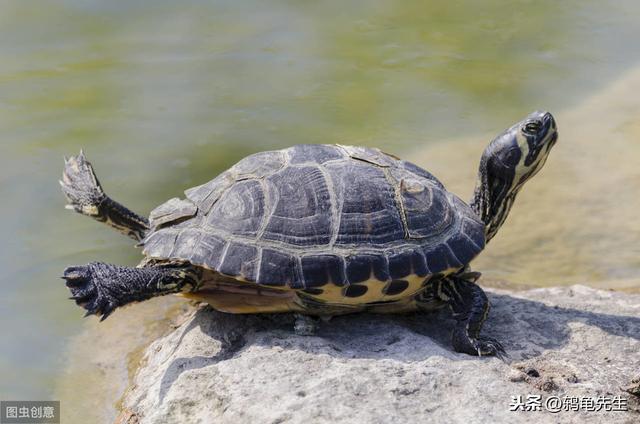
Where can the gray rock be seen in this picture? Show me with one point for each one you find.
(564, 342)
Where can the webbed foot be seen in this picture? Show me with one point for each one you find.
(482, 346)
(87, 290)
(81, 186)
(85, 196)
(101, 288)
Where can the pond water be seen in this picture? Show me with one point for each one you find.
(164, 95)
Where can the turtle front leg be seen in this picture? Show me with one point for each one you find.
(85, 195)
(470, 308)
(101, 288)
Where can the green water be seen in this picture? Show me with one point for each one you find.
(164, 95)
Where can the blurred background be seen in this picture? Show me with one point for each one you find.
(164, 95)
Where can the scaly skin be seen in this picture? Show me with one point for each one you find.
(101, 288)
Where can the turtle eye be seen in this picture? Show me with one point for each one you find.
(532, 127)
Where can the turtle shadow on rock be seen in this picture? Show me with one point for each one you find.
(526, 327)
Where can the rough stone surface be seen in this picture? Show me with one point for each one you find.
(573, 341)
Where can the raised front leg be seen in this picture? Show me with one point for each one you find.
(101, 288)
(470, 308)
(85, 195)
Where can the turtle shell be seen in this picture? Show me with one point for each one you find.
(310, 216)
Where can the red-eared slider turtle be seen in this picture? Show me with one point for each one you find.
(319, 230)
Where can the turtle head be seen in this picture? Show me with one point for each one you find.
(509, 161)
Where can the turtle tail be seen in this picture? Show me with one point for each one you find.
(85, 196)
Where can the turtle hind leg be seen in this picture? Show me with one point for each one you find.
(85, 195)
(470, 308)
(101, 288)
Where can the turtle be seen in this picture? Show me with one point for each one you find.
(317, 230)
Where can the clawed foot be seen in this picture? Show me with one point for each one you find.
(80, 186)
(87, 292)
(482, 346)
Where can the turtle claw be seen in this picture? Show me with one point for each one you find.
(85, 291)
(72, 282)
(107, 312)
(82, 297)
(488, 346)
(481, 346)
(485, 346)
